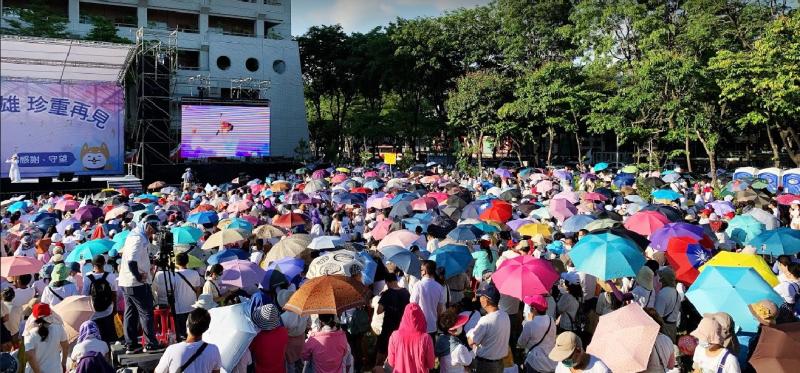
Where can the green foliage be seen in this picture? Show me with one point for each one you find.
(36, 19)
(302, 151)
(406, 160)
(365, 156)
(105, 30)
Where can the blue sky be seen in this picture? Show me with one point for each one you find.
(363, 15)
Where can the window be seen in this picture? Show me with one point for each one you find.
(279, 66)
(223, 62)
(251, 64)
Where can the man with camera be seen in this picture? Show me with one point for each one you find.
(134, 279)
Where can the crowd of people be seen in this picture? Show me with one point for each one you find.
(525, 270)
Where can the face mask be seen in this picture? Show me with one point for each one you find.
(568, 363)
(703, 344)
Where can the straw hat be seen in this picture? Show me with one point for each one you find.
(764, 311)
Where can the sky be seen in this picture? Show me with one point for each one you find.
(364, 15)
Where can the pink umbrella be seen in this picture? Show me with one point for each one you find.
(787, 199)
(524, 276)
(544, 186)
(561, 209)
(74, 311)
(319, 174)
(381, 229)
(379, 202)
(242, 274)
(424, 204)
(338, 178)
(438, 196)
(403, 238)
(646, 222)
(250, 219)
(257, 188)
(570, 196)
(594, 196)
(371, 174)
(67, 205)
(612, 341)
(240, 206)
(19, 265)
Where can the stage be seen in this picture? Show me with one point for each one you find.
(32, 187)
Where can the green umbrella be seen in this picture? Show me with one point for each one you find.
(630, 169)
(600, 224)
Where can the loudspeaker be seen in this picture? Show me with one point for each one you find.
(65, 176)
(45, 180)
(84, 179)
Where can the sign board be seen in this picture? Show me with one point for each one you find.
(390, 158)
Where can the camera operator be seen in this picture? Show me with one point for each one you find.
(134, 279)
(185, 284)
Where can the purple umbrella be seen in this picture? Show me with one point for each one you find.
(289, 269)
(88, 213)
(562, 209)
(721, 207)
(242, 274)
(65, 224)
(660, 237)
(515, 224)
(588, 176)
(502, 172)
(297, 198)
(319, 174)
(563, 174)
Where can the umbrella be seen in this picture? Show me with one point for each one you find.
(653, 182)
(535, 229)
(562, 174)
(205, 217)
(325, 242)
(576, 222)
(294, 246)
(593, 196)
(624, 179)
(404, 259)
(781, 241)
(600, 166)
(646, 222)
(332, 294)
(227, 255)
(671, 177)
(19, 265)
(223, 238)
(267, 231)
(279, 186)
(412, 224)
(156, 185)
(424, 204)
(607, 256)
(721, 207)
(87, 250)
(660, 238)
(186, 235)
(736, 186)
(487, 227)
(542, 213)
(744, 228)
(347, 198)
(629, 169)
(18, 206)
(731, 290)
(286, 270)
(319, 174)
(612, 341)
(686, 255)
(665, 194)
(766, 218)
(67, 205)
(515, 224)
(340, 262)
(754, 261)
(240, 224)
(74, 311)
(401, 209)
(510, 194)
(562, 209)
(242, 274)
(119, 240)
(88, 213)
(462, 233)
(787, 199)
(315, 186)
(544, 186)
(373, 184)
(381, 229)
(777, 348)
(568, 195)
(599, 224)
(403, 238)
(231, 331)
(194, 262)
(289, 220)
(453, 258)
(105, 194)
(497, 213)
(502, 172)
(296, 198)
(525, 276)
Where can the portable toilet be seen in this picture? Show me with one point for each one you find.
(772, 176)
(791, 181)
(744, 173)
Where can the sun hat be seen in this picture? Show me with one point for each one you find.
(566, 343)
(461, 320)
(537, 302)
(60, 273)
(709, 330)
(764, 311)
(667, 276)
(40, 310)
(645, 278)
(205, 301)
(266, 317)
(58, 258)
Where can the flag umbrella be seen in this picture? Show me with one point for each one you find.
(294, 246)
(562, 209)
(754, 261)
(403, 238)
(289, 220)
(331, 294)
(453, 258)
(777, 349)
(781, 241)
(242, 274)
(88, 249)
(462, 233)
(576, 222)
(686, 255)
(186, 235)
(744, 228)
(325, 242)
(74, 310)
(267, 231)
(231, 331)
(612, 342)
(498, 211)
(223, 238)
(646, 222)
(731, 290)
(659, 239)
(607, 256)
(523, 276)
(227, 255)
(404, 259)
(12, 266)
(67, 205)
(205, 217)
(535, 229)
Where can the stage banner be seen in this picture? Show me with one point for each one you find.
(55, 127)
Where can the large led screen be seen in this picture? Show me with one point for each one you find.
(224, 131)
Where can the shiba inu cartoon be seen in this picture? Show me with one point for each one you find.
(94, 157)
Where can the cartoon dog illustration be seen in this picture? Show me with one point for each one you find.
(95, 157)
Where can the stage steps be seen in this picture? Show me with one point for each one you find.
(130, 182)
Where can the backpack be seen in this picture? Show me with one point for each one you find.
(100, 290)
(93, 362)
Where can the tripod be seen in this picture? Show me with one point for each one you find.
(166, 264)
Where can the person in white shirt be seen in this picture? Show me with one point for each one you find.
(103, 318)
(46, 343)
(193, 355)
(429, 295)
(26, 247)
(571, 356)
(454, 356)
(710, 356)
(59, 288)
(489, 338)
(538, 336)
(789, 287)
(186, 285)
(134, 279)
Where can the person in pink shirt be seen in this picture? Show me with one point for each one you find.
(327, 350)
(410, 346)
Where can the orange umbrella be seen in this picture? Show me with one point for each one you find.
(327, 295)
(289, 220)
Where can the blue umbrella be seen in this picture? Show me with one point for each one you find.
(18, 206)
(403, 197)
(239, 223)
(185, 235)
(462, 233)
(412, 224)
(731, 290)
(204, 217)
(666, 194)
(42, 215)
(373, 184)
(87, 250)
(744, 228)
(453, 258)
(347, 198)
(576, 222)
(624, 179)
(607, 256)
(486, 227)
(781, 241)
(287, 269)
(600, 166)
(45, 223)
(370, 268)
(119, 240)
(425, 217)
(404, 259)
(226, 255)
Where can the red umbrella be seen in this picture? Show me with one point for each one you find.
(289, 220)
(424, 204)
(787, 199)
(646, 222)
(686, 255)
(361, 190)
(594, 196)
(499, 211)
(204, 207)
(124, 191)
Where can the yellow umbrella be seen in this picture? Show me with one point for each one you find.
(222, 238)
(534, 229)
(730, 259)
(224, 223)
(343, 169)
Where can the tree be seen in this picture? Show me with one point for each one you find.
(105, 30)
(37, 19)
(534, 32)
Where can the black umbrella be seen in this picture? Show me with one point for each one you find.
(672, 213)
(605, 214)
(401, 209)
(653, 182)
(440, 226)
(641, 241)
(527, 208)
(511, 194)
(606, 192)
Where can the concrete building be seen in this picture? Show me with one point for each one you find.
(226, 49)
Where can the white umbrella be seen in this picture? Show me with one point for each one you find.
(764, 217)
(231, 330)
(117, 212)
(325, 242)
(340, 262)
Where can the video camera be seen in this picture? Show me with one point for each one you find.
(166, 249)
